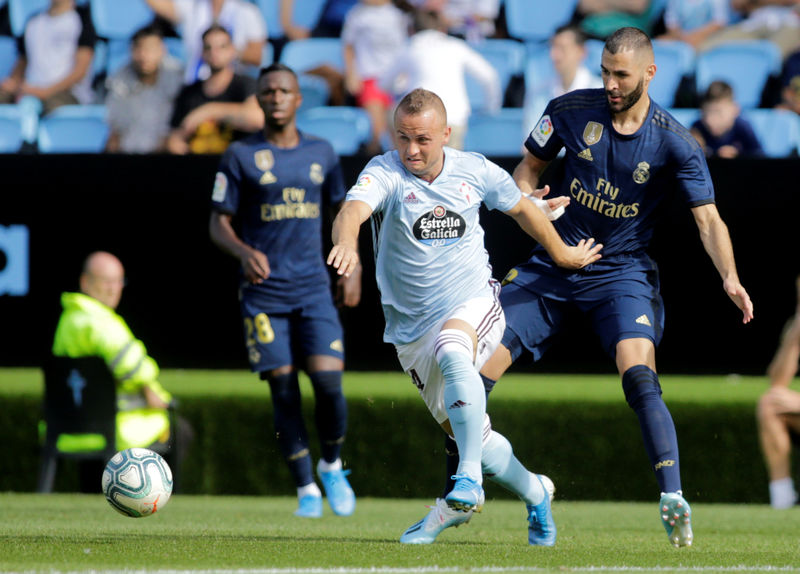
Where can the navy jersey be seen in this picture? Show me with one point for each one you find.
(617, 182)
(276, 196)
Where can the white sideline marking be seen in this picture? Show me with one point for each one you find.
(443, 570)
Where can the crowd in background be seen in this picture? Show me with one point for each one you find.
(187, 80)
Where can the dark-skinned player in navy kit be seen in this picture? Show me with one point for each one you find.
(269, 197)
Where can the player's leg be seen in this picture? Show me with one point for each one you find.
(319, 336)
(465, 403)
(268, 340)
(776, 424)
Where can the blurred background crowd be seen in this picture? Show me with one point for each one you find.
(179, 76)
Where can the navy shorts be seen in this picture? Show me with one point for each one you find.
(620, 295)
(279, 335)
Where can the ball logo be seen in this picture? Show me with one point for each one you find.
(439, 227)
(543, 130)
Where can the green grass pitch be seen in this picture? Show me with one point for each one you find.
(82, 533)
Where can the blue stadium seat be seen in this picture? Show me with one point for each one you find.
(777, 130)
(10, 128)
(8, 55)
(74, 129)
(594, 55)
(536, 20)
(507, 57)
(306, 13)
(115, 19)
(746, 66)
(304, 55)
(686, 116)
(497, 135)
(315, 91)
(674, 60)
(346, 128)
(19, 11)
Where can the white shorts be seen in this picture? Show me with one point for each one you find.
(485, 315)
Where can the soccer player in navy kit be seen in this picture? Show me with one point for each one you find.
(268, 200)
(625, 155)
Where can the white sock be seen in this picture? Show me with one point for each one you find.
(782, 493)
(309, 490)
(325, 466)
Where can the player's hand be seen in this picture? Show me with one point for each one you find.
(581, 255)
(554, 203)
(348, 289)
(740, 297)
(255, 266)
(344, 259)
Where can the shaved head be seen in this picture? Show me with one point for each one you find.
(103, 278)
(418, 101)
(631, 40)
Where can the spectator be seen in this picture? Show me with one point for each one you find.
(330, 21)
(141, 96)
(778, 414)
(90, 327)
(774, 20)
(55, 58)
(694, 21)
(721, 130)
(600, 18)
(438, 62)
(790, 93)
(568, 54)
(373, 35)
(243, 20)
(473, 20)
(210, 113)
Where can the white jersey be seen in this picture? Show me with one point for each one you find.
(428, 240)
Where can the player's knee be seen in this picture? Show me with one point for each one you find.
(284, 389)
(453, 351)
(640, 384)
(327, 383)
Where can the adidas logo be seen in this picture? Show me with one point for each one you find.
(337, 345)
(643, 320)
(411, 198)
(586, 154)
(458, 404)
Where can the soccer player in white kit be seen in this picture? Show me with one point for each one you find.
(438, 295)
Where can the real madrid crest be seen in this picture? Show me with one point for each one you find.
(592, 133)
(315, 173)
(642, 172)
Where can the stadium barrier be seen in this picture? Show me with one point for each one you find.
(591, 448)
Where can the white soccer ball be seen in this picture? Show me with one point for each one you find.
(137, 482)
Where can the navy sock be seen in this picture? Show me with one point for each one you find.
(289, 427)
(330, 412)
(643, 393)
(451, 448)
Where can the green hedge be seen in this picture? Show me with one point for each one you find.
(576, 429)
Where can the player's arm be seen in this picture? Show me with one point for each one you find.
(254, 263)
(344, 254)
(535, 223)
(717, 243)
(245, 116)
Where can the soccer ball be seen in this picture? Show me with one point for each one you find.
(137, 482)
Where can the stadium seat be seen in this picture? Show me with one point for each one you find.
(746, 66)
(346, 128)
(19, 11)
(686, 116)
(315, 91)
(495, 135)
(10, 128)
(80, 397)
(536, 20)
(594, 55)
(304, 55)
(113, 19)
(507, 57)
(777, 130)
(74, 129)
(8, 55)
(674, 60)
(306, 13)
